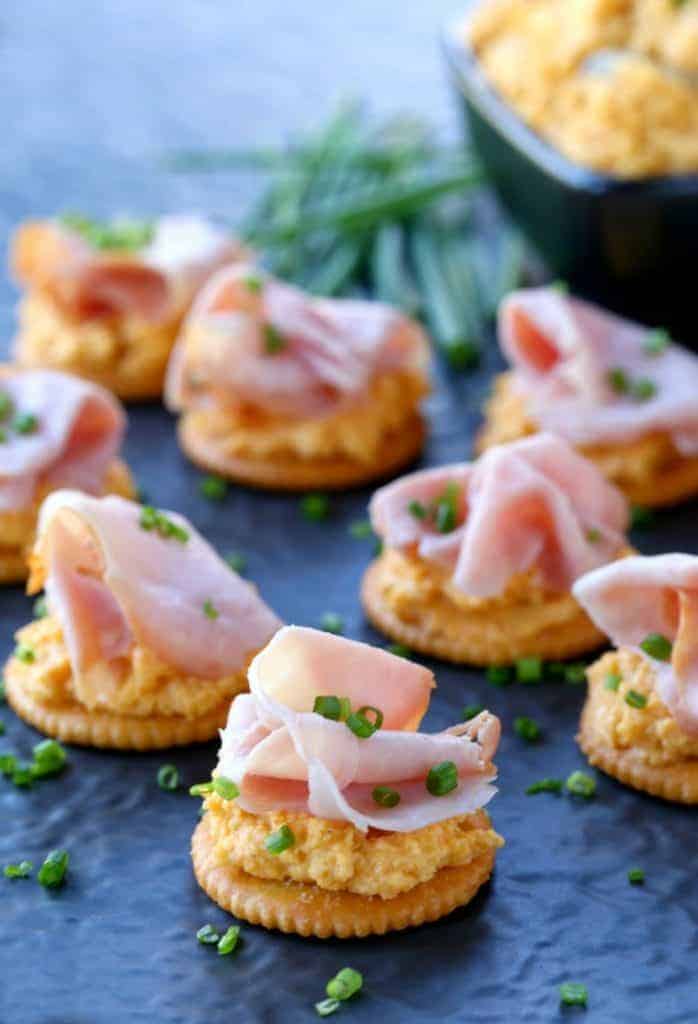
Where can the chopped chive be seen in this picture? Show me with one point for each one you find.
(463, 355)
(619, 381)
(657, 646)
(555, 669)
(384, 796)
(168, 777)
(21, 870)
(49, 758)
(253, 283)
(225, 788)
(6, 406)
(361, 725)
(210, 610)
(575, 674)
(636, 876)
(40, 608)
(417, 509)
(472, 711)
(612, 681)
(228, 942)
(581, 784)
(152, 519)
(643, 389)
(361, 529)
(326, 1007)
(635, 699)
(529, 670)
(544, 786)
(26, 423)
(52, 871)
(2, 728)
(572, 993)
(593, 535)
(500, 675)
(399, 650)
(22, 774)
(208, 936)
(527, 729)
(446, 509)
(274, 340)
(8, 764)
(656, 342)
(332, 623)
(641, 518)
(335, 708)
(345, 984)
(442, 778)
(279, 841)
(201, 789)
(214, 488)
(236, 561)
(2, 690)
(25, 653)
(315, 507)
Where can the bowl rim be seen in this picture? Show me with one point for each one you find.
(471, 79)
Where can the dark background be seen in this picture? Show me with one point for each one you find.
(90, 96)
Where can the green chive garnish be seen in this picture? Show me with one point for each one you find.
(472, 711)
(49, 758)
(572, 993)
(2, 690)
(575, 674)
(635, 699)
(500, 675)
(386, 797)
(201, 789)
(274, 340)
(236, 561)
(21, 870)
(446, 509)
(361, 529)
(332, 623)
(656, 342)
(399, 650)
(152, 519)
(544, 786)
(23, 775)
(168, 777)
(529, 670)
(581, 784)
(345, 984)
(643, 389)
(636, 876)
(253, 283)
(40, 608)
(361, 725)
(25, 423)
(229, 940)
(442, 778)
(335, 708)
(225, 788)
(315, 507)
(8, 763)
(417, 509)
(612, 681)
(214, 488)
(210, 610)
(208, 936)
(619, 381)
(593, 535)
(527, 729)
(641, 518)
(277, 842)
(2, 728)
(52, 871)
(6, 406)
(657, 646)
(25, 654)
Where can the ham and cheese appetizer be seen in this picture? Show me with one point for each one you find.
(640, 722)
(479, 558)
(624, 395)
(148, 632)
(55, 431)
(285, 391)
(329, 813)
(105, 300)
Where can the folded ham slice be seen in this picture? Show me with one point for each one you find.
(564, 353)
(283, 756)
(79, 429)
(250, 339)
(638, 596)
(155, 283)
(531, 505)
(112, 584)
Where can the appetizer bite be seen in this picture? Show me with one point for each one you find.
(622, 394)
(147, 634)
(478, 559)
(105, 300)
(281, 390)
(640, 721)
(328, 813)
(55, 431)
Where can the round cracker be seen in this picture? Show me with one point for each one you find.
(309, 910)
(285, 473)
(477, 642)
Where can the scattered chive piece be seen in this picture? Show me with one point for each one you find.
(25, 654)
(612, 681)
(544, 786)
(472, 711)
(26, 423)
(555, 669)
(152, 519)
(581, 784)
(399, 650)
(274, 340)
(656, 342)
(236, 561)
(463, 355)
(575, 674)
(214, 488)
(126, 234)
(335, 708)
(332, 623)
(643, 389)
(2, 690)
(326, 1007)
(49, 758)
(2, 728)
(619, 381)
(208, 936)
(40, 608)
(345, 984)
(529, 670)
(657, 646)
(500, 675)
(8, 763)
(442, 778)
(21, 870)
(572, 993)
(361, 725)
(168, 777)
(6, 405)
(361, 529)
(22, 774)
(384, 796)
(446, 509)
(417, 509)
(52, 871)
(225, 788)
(635, 699)
(229, 940)
(201, 789)
(527, 729)
(253, 283)
(277, 842)
(593, 535)
(636, 876)
(315, 507)
(210, 610)
(641, 518)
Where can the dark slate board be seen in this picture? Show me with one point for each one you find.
(98, 91)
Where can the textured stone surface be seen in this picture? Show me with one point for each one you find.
(89, 92)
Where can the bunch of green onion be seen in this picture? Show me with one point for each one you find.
(358, 208)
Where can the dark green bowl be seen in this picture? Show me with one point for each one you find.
(629, 244)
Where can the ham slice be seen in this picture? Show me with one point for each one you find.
(112, 584)
(327, 350)
(531, 505)
(80, 427)
(639, 596)
(564, 351)
(156, 283)
(282, 756)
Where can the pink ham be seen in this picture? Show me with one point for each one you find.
(330, 348)
(563, 351)
(531, 505)
(113, 584)
(80, 429)
(639, 596)
(283, 756)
